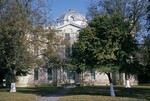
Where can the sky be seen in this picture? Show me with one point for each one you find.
(59, 7)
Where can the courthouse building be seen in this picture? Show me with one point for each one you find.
(68, 26)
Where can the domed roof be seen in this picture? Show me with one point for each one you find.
(71, 14)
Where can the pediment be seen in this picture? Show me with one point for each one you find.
(70, 24)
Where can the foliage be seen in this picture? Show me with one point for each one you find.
(145, 48)
(18, 20)
(148, 16)
(133, 10)
(103, 44)
(50, 54)
(146, 55)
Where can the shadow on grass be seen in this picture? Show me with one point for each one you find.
(139, 92)
(40, 91)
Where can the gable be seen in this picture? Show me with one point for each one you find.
(69, 28)
(70, 25)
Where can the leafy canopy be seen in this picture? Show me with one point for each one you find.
(18, 20)
(103, 44)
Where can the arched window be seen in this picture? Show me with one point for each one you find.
(71, 18)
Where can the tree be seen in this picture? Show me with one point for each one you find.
(103, 45)
(53, 51)
(132, 10)
(145, 47)
(146, 52)
(18, 22)
(148, 16)
(146, 55)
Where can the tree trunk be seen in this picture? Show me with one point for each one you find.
(112, 93)
(13, 84)
(127, 83)
(56, 77)
(1, 79)
(82, 78)
(69, 78)
(13, 87)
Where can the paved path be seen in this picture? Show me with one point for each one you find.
(55, 96)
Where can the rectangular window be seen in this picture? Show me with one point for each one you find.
(49, 72)
(92, 74)
(71, 75)
(67, 51)
(67, 36)
(36, 73)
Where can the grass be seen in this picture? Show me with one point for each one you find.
(136, 93)
(95, 93)
(25, 93)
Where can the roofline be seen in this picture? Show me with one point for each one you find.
(70, 24)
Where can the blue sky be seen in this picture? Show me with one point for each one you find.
(61, 6)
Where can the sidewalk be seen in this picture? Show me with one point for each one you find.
(55, 96)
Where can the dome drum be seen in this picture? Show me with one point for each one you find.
(71, 16)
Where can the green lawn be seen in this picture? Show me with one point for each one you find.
(25, 93)
(136, 93)
(99, 93)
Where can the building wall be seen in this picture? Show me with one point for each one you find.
(59, 78)
(29, 80)
(100, 79)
